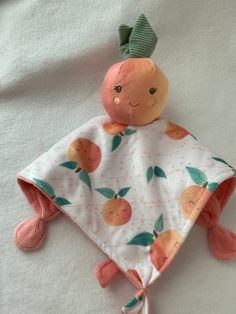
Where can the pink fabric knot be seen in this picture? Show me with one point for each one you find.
(222, 242)
(30, 234)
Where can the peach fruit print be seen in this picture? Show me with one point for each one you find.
(119, 131)
(191, 195)
(163, 245)
(155, 171)
(117, 210)
(84, 157)
(176, 132)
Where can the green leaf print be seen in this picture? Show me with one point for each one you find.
(132, 302)
(197, 175)
(107, 192)
(69, 164)
(212, 186)
(234, 171)
(159, 224)
(193, 136)
(149, 174)
(61, 201)
(83, 175)
(224, 162)
(144, 239)
(220, 160)
(116, 142)
(123, 192)
(129, 131)
(46, 187)
(159, 172)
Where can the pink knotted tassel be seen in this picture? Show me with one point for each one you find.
(222, 242)
(30, 234)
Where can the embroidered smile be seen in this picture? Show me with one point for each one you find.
(134, 105)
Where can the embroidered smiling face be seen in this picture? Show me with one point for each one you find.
(86, 153)
(134, 91)
(117, 212)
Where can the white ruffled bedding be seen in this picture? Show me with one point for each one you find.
(53, 56)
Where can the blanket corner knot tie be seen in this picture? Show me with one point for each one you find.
(137, 304)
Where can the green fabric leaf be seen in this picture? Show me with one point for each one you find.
(149, 174)
(124, 33)
(132, 302)
(234, 170)
(61, 201)
(129, 131)
(144, 239)
(107, 192)
(116, 142)
(123, 192)
(159, 224)
(220, 160)
(212, 186)
(138, 41)
(83, 175)
(46, 187)
(69, 164)
(193, 136)
(159, 172)
(197, 175)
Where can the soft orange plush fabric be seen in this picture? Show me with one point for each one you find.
(134, 91)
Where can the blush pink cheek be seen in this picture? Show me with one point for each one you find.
(116, 100)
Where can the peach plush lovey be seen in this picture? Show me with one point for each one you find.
(134, 91)
(133, 182)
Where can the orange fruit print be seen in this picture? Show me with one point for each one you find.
(86, 153)
(163, 244)
(114, 128)
(84, 157)
(164, 248)
(119, 131)
(175, 131)
(190, 198)
(116, 211)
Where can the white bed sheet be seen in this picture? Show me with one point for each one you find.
(53, 56)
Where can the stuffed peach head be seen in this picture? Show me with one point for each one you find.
(134, 91)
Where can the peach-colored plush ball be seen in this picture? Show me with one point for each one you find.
(134, 91)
